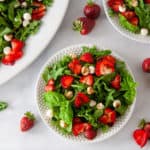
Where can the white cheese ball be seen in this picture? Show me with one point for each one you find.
(7, 50)
(8, 37)
(27, 16)
(116, 103)
(100, 106)
(49, 114)
(92, 103)
(144, 31)
(92, 69)
(134, 3)
(62, 124)
(25, 23)
(24, 4)
(122, 8)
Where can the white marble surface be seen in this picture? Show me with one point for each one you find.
(19, 92)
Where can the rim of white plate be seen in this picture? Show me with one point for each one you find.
(9, 72)
(115, 23)
(39, 89)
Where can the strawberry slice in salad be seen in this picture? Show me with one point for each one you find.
(84, 93)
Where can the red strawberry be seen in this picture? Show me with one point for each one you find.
(81, 99)
(75, 66)
(134, 21)
(27, 121)
(49, 88)
(110, 58)
(147, 129)
(89, 79)
(116, 82)
(66, 81)
(90, 134)
(109, 117)
(80, 128)
(8, 60)
(114, 4)
(39, 11)
(16, 54)
(77, 120)
(51, 82)
(87, 57)
(104, 67)
(17, 45)
(140, 136)
(83, 25)
(147, 1)
(92, 10)
(129, 14)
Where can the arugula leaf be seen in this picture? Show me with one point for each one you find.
(111, 12)
(122, 109)
(3, 7)
(127, 25)
(104, 128)
(48, 2)
(95, 52)
(3, 105)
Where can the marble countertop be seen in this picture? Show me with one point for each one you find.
(19, 92)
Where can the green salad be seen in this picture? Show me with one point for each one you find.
(133, 15)
(18, 20)
(87, 92)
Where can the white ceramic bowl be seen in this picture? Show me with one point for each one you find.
(120, 123)
(115, 23)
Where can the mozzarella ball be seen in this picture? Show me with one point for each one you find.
(25, 23)
(122, 8)
(49, 114)
(69, 94)
(85, 70)
(8, 37)
(92, 103)
(27, 16)
(92, 69)
(90, 90)
(62, 124)
(144, 31)
(7, 50)
(100, 106)
(116, 103)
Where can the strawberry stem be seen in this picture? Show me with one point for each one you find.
(29, 115)
(90, 2)
(77, 25)
(142, 124)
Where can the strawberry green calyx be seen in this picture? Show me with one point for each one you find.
(142, 124)
(90, 2)
(30, 115)
(77, 25)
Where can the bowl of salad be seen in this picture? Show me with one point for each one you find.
(85, 94)
(130, 17)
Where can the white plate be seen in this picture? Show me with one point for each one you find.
(39, 90)
(115, 23)
(37, 43)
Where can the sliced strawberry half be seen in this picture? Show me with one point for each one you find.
(77, 120)
(80, 128)
(141, 137)
(134, 21)
(81, 99)
(114, 4)
(104, 67)
(8, 60)
(87, 57)
(110, 58)
(129, 14)
(116, 82)
(109, 117)
(75, 66)
(66, 81)
(89, 80)
(17, 45)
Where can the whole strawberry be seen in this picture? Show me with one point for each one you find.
(92, 10)
(84, 25)
(27, 121)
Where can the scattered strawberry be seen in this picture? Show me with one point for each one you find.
(87, 57)
(75, 66)
(39, 11)
(77, 120)
(104, 67)
(49, 88)
(66, 81)
(90, 134)
(89, 79)
(140, 136)
(92, 10)
(146, 65)
(110, 59)
(114, 4)
(83, 25)
(116, 82)
(27, 121)
(109, 117)
(81, 99)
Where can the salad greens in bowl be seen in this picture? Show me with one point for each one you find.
(130, 17)
(85, 94)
